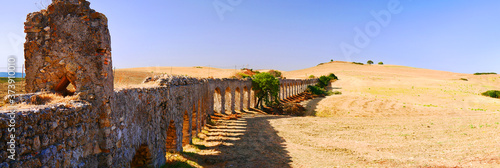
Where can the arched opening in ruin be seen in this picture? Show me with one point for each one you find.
(280, 92)
(245, 98)
(217, 101)
(171, 141)
(228, 103)
(142, 157)
(65, 87)
(194, 120)
(237, 99)
(253, 99)
(289, 90)
(199, 115)
(186, 138)
(201, 112)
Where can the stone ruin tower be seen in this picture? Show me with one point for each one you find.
(69, 43)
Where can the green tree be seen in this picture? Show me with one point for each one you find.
(369, 62)
(381, 63)
(266, 88)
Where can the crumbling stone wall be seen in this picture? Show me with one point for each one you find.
(69, 134)
(69, 43)
(58, 135)
(144, 115)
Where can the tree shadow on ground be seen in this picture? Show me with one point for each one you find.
(250, 141)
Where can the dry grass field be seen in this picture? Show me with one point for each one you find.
(395, 116)
(129, 77)
(4, 88)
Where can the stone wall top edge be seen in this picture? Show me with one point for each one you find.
(38, 109)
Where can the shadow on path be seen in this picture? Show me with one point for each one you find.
(249, 141)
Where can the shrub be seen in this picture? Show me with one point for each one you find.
(323, 81)
(332, 76)
(311, 77)
(331, 60)
(381, 63)
(241, 75)
(369, 62)
(492, 93)
(485, 73)
(275, 73)
(316, 90)
(359, 63)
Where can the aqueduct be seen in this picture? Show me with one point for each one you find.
(69, 44)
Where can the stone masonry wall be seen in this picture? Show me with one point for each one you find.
(58, 135)
(67, 134)
(69, 43)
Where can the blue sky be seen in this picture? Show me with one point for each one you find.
(458, 36)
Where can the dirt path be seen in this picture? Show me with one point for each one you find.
(247, 142)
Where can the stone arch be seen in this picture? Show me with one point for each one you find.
(186, 131)
(288, 90)
(246, 98)
(228, 102)
(282, 91)
(294, 88)
(217, 101)
(203, 112)
(194, 121)
(253, 99)
(171, 142)
(237, 99)
(142, 157)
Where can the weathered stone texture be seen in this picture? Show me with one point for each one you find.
(53, 135)
(68, 40)
(159, 118)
